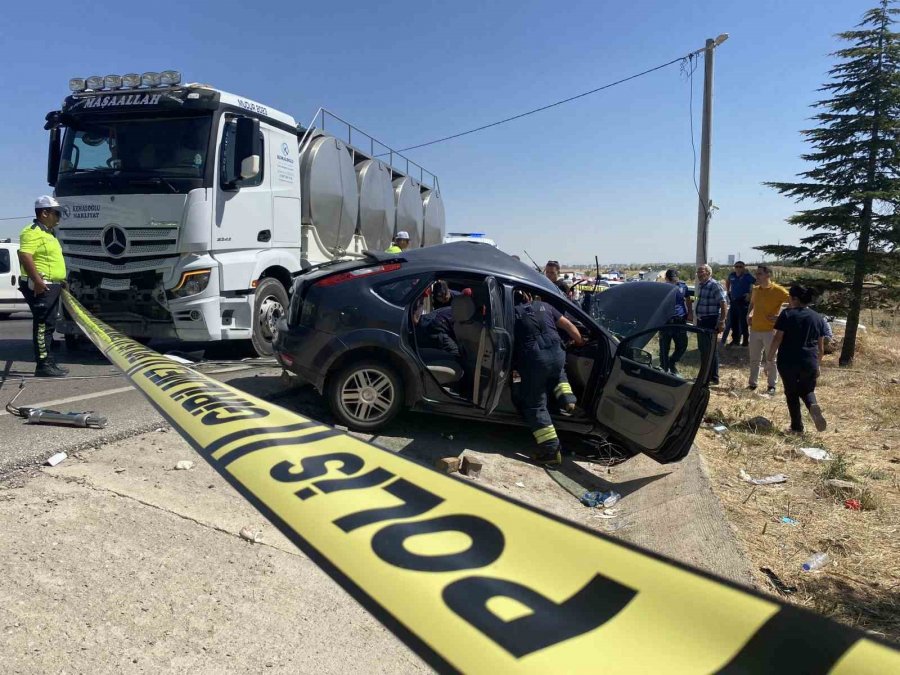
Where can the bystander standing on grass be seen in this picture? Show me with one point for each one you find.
(800, 346)
(766, 300)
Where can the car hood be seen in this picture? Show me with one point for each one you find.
(627, 309)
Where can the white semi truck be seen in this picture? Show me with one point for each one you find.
(187, 210)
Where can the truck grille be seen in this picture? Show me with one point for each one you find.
(118, 267)
(141, 241)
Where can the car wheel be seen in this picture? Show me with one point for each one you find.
(365, 395)
(269, 305)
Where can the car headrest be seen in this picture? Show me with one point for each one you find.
(463, 308)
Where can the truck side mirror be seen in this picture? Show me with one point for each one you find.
(247, 147)
(53, 156)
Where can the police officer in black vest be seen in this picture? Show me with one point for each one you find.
(540, 359)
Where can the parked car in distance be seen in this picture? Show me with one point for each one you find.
(432, 330)
(11, 298)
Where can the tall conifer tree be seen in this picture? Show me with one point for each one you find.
(856, 157)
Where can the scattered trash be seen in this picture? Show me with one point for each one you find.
(250, 535)
(841, 484)
(779, 458)
(760, 424)
(818, 454)
(56, 459)
(121, 469)
(606, 499)
(768, 480)
(447, 464)
(779, 585)
(607, 513)
(816, 561)
(341, 427)
(720, 428)
(853, 504)
(788, 521)
(472, 465)
(520, 484)
(173, 356)
(184, 465)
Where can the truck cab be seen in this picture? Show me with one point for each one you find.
(187, 210)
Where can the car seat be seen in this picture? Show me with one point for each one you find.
(471, 333)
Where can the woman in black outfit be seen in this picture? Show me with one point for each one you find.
(800, 344)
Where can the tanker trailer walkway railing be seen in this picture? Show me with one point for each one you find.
(399, 163)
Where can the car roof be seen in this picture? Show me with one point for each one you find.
(469, 256)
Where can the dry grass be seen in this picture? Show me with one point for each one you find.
(861, 584)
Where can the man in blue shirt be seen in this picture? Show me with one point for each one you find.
(739, 285)
(682, 313)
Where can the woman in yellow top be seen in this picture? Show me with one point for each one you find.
(766, 300)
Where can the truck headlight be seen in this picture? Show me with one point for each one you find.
(191, 283)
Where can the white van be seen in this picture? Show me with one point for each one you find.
(11, 300)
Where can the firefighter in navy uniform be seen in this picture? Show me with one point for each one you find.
(540, 360)
(42, 261)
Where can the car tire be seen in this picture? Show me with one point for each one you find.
(270, 302)
(378, 383)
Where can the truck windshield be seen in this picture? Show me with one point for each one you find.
(124, 151)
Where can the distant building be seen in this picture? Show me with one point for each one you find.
(731, 260)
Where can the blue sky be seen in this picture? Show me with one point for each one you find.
(607, 175)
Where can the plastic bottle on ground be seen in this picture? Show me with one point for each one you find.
(816, 561)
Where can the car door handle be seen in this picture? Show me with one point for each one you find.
(645, 402)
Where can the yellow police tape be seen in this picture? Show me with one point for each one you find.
(468, 579)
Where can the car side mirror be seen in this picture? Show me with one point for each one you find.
(638, 355)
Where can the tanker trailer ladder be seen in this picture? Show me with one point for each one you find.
(401, 168)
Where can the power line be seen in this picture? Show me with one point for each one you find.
(16, 217)
(551, 105)
(691, 67)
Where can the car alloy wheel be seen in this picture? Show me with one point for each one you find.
(367, 395)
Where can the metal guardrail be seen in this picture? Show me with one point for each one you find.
(398, 162)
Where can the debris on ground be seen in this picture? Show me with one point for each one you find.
(184, 465)
(818, 454)
(776, 581)
(768, 480)
(760, 424)
(853, 504)
(250, 535)
(520, 484)
(56, 459)
(788, 521)
(472, 465)
(447, 464)
(840, 484)
(606, 498)
(607, 513)
(816, 561)
(720, 428)
(120, 469)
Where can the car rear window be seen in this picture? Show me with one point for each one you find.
(398, 291)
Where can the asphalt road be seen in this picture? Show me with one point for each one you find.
(94, 384)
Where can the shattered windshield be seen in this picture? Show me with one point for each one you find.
(164, 147)
(631, 308)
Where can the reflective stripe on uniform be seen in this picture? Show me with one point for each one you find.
(562, 389)
(544, 434)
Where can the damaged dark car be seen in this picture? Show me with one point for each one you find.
(431, 330)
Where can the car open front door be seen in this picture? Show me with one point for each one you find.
(647, 407)
(495, 356)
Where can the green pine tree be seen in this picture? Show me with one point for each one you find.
(856, 157)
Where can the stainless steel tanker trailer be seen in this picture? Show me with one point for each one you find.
(187, 210)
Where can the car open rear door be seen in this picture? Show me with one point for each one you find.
(495, 355)
(644, 405)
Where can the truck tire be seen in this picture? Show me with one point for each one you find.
(365, 395)
(270, 302)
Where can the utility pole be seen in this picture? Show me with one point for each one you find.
(704, 207)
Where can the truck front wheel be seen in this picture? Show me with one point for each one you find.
(269, 304)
